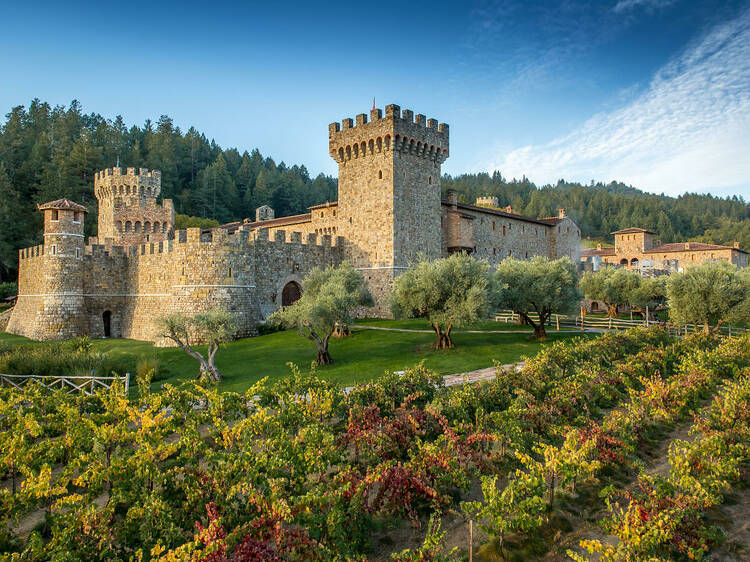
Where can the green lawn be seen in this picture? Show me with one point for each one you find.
(421, 324)
(363, 356)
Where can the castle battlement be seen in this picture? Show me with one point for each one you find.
(399, 131)
(140, 172)
(31, 252)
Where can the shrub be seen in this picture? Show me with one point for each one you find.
(8, 290)
(150, 364)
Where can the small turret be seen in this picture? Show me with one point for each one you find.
(62, 313)
(63, 228)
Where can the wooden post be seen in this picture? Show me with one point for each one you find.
(557, 320)
(647, 316)
(127, 383)
(471, 540)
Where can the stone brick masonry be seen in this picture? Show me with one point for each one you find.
(389, 213)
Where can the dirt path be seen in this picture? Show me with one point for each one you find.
(586, 523)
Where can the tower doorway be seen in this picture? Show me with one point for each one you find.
(291, 293)
(107, 321)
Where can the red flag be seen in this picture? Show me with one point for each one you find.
(373, 103)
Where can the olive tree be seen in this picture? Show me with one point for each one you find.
(650, 293)
(611, 285)
(329, 297)
(448, 292)
(538, 285)
(211, 328)
(710, 294)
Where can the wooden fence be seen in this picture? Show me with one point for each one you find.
(561, 321)
(70, 384)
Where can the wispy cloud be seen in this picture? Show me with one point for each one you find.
(627, 5)
(690, 129)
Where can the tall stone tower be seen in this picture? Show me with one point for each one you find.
(389, 192)
(128, 212)
(50, 283)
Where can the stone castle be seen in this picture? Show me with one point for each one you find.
(389, 212)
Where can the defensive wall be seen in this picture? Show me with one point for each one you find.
(132, 286)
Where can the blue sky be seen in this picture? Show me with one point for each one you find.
(651, 92)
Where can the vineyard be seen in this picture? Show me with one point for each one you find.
(547, 462)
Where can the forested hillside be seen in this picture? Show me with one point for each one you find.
(49, 152)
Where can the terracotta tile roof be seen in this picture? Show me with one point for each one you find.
(496, 212)
(63, 204)
(632, 230)
(552, 220)
(281, 221)
(596, 252)
(694, 247)
(324, 205)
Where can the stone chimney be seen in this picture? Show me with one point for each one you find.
(264, 213)
(561, 213)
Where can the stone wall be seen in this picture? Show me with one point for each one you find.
(243, 273)
(567, 236)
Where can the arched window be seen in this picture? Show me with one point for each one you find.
(634, 262)
(157, 227)
(371, 146)
(147, 226)
(341, 154)
(624, 261)
(137, 227)
(387, 142)
(379, 144)
(380, 174)
(128, 226)
(119, 226)
(165, 226)
(429, 180)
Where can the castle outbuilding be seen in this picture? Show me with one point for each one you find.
(389, 212)
(635, 248)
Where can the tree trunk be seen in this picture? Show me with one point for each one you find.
(324, 358)
(213, 349)
(539, 331)
(443, 338)
(611, 311)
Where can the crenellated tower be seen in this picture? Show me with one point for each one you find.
(51, 277)
(389, 191)
(128, 211)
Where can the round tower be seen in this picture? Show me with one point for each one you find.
(128, 211)
(63, 312)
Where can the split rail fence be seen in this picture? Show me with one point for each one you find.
(561, 321)
(87, 385)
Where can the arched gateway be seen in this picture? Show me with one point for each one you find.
(291, 293)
